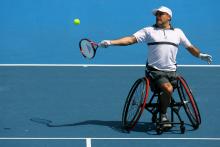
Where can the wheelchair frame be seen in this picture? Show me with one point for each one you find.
(183, 92)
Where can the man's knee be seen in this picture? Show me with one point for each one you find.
(167, 87)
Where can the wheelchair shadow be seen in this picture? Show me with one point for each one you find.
(144, 127)
(115, 125)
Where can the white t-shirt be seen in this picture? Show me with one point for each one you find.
(163, 46)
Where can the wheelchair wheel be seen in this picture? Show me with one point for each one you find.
(189, 103)
(135, 103)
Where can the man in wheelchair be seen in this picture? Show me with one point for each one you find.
(163, 41)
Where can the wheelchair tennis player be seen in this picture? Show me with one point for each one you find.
(163, 41)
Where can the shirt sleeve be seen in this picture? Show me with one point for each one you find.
(183, 39)
(141, 35)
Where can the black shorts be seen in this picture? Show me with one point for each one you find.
(160, 77)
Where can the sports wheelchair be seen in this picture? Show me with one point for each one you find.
(143, 95)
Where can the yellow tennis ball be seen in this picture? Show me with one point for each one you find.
(76, 21)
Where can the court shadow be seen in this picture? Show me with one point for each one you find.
(115, 125)
(144, 127)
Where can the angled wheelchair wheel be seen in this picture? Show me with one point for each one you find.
(135, 103)
(189, 102)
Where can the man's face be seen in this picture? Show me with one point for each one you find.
(162, 18)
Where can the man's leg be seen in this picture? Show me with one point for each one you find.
(164, 101)
(165, 96)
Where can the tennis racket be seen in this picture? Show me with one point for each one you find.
(88, 48)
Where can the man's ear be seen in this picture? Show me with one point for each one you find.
(169, 18)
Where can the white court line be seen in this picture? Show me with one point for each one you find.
(97, 65)
(89, 139)
(88, 142)
(78, 65)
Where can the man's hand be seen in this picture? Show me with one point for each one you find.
(105, 43)
(206, 57)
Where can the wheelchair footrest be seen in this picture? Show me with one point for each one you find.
(160, 126)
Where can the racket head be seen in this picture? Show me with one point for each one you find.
(88, 48)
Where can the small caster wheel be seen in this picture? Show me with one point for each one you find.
(154, 118)
(159, 130)
(182, 129)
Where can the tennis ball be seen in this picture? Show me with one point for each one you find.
(76, 21)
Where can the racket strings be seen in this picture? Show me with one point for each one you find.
(87, 49)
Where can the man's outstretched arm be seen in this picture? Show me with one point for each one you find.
(120, 42)
(196, 52)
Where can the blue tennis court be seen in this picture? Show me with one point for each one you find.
(52, 96)
(86, 102)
